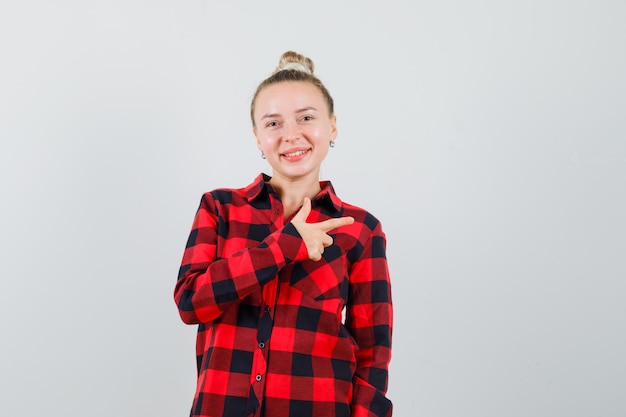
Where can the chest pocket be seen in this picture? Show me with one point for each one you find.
(321, 280)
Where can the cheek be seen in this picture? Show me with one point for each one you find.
(323, 135)
(268, 141)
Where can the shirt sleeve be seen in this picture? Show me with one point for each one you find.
(207, 284)
(369, 317)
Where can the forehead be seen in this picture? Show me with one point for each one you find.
(290, 95)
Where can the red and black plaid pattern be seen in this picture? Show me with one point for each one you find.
(271, 336)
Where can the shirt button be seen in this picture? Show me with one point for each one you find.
(258, 378)
(261, 345)
(267, 310)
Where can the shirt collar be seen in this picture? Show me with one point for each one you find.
(257, 186)
(326, 196)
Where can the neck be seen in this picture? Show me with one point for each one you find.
(292, 192)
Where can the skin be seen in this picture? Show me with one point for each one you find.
(293, 129)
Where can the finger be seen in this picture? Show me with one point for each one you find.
(327, 241)
(304, 211)
(331, 224)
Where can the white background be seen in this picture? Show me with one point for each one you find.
(489, 137)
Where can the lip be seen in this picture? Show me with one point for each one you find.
(295, 154)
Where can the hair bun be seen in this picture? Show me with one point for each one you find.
(291, 60)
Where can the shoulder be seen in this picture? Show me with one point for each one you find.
(225, 195)
(362, 216)
(220, 197)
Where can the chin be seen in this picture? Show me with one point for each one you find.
(298, 173)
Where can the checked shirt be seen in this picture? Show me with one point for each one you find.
(280, 335)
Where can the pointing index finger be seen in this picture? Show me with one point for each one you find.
(331, 224)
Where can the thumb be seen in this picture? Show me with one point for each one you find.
(304, 211)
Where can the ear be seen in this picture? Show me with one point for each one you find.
(333, 127)
(258, 142)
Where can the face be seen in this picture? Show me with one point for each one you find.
(293, 129)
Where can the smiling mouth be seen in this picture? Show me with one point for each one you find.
(297, 153)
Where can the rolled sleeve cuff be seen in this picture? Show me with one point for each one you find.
(287, 245)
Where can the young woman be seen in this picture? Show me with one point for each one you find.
(271, 270)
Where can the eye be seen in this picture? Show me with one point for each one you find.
(307, 118)
(272, 123)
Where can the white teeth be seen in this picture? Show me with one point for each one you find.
(295, 153)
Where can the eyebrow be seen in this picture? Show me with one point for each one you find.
(271, 115)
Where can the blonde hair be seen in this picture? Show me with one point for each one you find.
(293, 67)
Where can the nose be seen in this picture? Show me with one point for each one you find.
(291, 131)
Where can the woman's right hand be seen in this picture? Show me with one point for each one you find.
(315, 235)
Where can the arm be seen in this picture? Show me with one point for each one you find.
(206, 285)
(369, 320)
